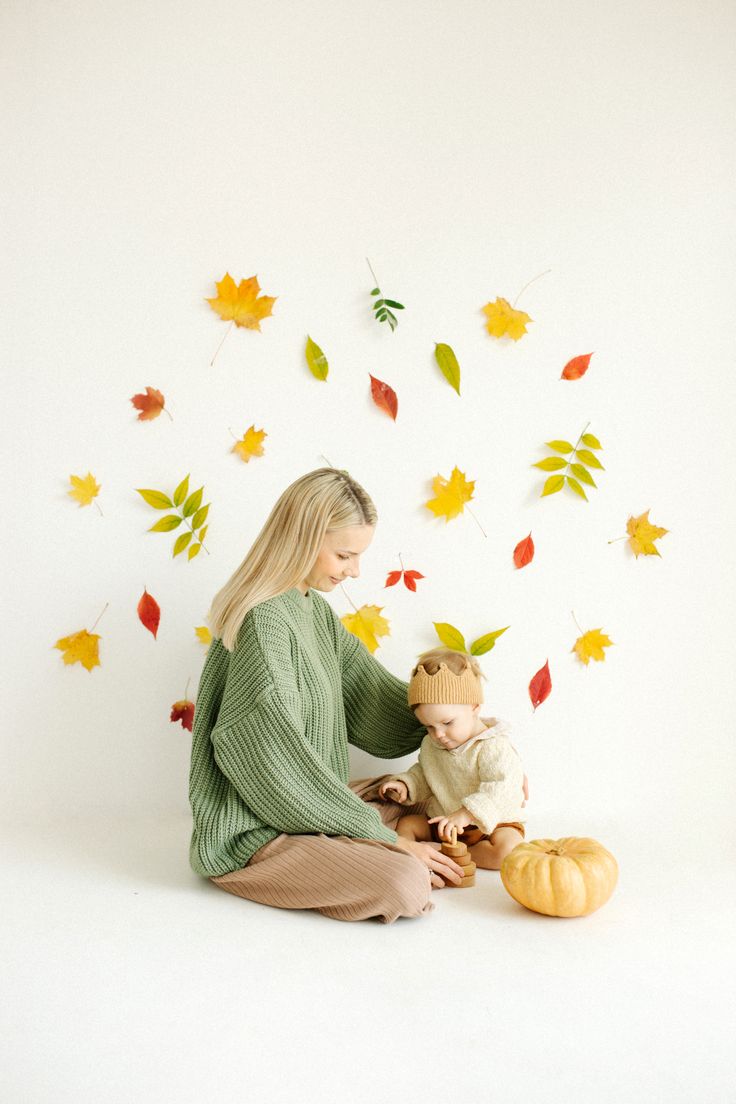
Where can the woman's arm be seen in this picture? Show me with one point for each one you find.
(379, 718)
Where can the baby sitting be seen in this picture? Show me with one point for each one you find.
(468, 775)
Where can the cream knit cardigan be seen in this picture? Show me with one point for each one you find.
(485, 775)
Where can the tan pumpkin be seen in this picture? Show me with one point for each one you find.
(572, 876)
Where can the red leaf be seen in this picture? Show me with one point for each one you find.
(410, 578)
(149, 612)
(576, 367)
(150, 405)
(392, 578)
(524, 552)
(540, 685)
(384, 396)
(183, 711)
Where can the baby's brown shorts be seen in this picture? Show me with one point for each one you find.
(472, 834)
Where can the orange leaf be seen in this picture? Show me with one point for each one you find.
(384, 396)
(410, 578)
(242, 304)
(183, 711)
(150, 405)
(540, 685)
(80, 647)
(149, 612)
(524, 552)
(576, 367)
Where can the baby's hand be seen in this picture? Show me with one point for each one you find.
(460, 820)
(397, 787)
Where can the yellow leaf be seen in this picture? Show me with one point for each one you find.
(242, 304)
(84, 490)
(590, 645)
(251, 444)
(551, 463)
(449, 366)
(450, 494)
(316, 360)
(166, 524)
(367, 624)
(484, 643)
(80, 647)
(449, 635)
(204, 634)
(553, 484)
(181, 542)
(502, 319)
(642, 534)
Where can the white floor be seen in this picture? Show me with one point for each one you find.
(129, 979)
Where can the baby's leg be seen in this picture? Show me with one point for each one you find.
(414, 827)
(490, 853)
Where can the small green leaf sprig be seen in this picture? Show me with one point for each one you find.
(381, 306)
(580, 471)
(190, 509)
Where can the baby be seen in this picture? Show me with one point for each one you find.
(468, 774)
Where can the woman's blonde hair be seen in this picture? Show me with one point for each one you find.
(457, 662)
(289, 543)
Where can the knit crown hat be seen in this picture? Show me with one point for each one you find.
(444, 687)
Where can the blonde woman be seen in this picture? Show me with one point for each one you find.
(284, 689)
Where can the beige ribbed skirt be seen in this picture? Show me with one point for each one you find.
(341, 877)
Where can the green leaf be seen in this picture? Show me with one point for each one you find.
(192, 503)
(316, 360)
(582, 473)
(376, 291)
(591, 441)
(157, 499)
(201, 533)
(200, 516)
(181, 491)
(449, 635)
(589, 459)
(378, 303)
(484, 643)
(393, 303)
(166, 524)
(181, 542)
(560, 446)
(576, 487)
(193, 551)
(553, 484)
(449, 366)
(550, 463)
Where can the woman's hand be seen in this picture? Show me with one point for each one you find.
(442, 868)
(398, 787)
(460, 819)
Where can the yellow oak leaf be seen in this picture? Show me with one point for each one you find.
(251, 444)
(450, 494)
(367, 624)
(502, 319)
(84, 490)
(204, 634)
(242, 304)
(590, 645)
(642, 534)
(80, 647)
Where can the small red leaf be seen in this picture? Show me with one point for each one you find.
(384, 396)
(524, 552)
(576, 367)
(540, 685)
(183, 711)
(150, 405)
(410, 579)
(392, 578)
(149, 612)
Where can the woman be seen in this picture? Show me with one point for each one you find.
(284, 689)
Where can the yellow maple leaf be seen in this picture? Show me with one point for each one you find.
(450, 494)
(590, 645)
(251, 444)
(84, 490)
(242, 304)
(80, 647)
(204, 634)
(502, 319)
(642, 534)
(367, 624)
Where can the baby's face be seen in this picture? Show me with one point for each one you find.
(449, 726)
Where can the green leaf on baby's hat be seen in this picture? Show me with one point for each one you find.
(484, 643)
(450, 636)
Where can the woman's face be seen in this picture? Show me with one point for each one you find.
(339, 557)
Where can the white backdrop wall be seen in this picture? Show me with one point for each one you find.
(464, 148)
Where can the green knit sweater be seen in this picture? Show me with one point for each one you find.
(272, 724)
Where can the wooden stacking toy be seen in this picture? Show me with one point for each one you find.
(461, 855)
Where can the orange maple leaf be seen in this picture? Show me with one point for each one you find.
(242, 304)
(183, 711)
(150, 405)
(502, 319)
